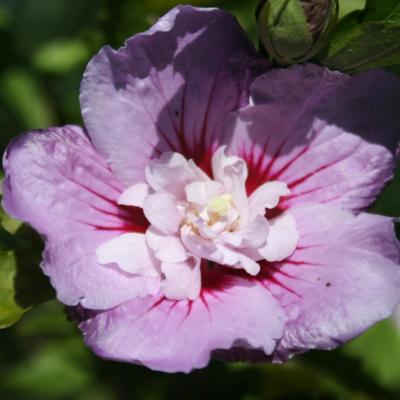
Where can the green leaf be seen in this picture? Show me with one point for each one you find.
(8, 224)
(395, 69)
(366, 46)
(383, 10)
(366, 39)
(22, 283)
(348, 6)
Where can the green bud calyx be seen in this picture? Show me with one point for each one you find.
(293, 31)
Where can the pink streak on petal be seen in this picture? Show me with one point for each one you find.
(324, 140)
(243, 315)
(56, 182)
(168, 89)
(346, 274)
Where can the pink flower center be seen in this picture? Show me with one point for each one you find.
(193, 217)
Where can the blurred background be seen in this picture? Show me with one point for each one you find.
(45, 45)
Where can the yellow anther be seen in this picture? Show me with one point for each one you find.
(221, 204)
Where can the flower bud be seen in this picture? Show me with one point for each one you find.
(293, 31)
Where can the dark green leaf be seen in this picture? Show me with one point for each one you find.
(22, 284)
(366, 39)
(395, 69)
(364, 46)
(383, 10)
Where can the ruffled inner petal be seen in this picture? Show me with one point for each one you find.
(282, 238)
(232, 172)
(135, 195)
(266, 196)
(167, 248)
(182, 279)
(254, 235)
(130, 252)
(162, 212)
(172, 173)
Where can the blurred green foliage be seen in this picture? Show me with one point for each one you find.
(45, 45)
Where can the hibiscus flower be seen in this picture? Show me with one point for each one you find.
(212, 206)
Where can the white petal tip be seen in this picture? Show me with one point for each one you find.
(134, 196)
